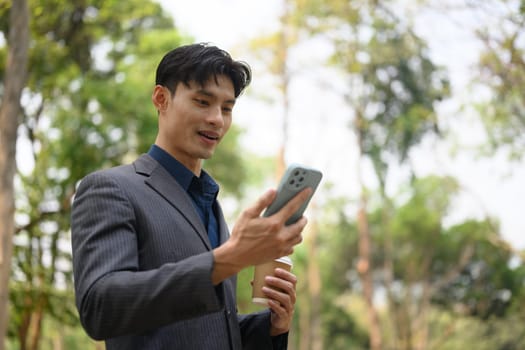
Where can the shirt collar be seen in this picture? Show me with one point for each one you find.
(183, 175)
(204, 187)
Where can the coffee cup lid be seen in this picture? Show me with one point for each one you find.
(285, 260)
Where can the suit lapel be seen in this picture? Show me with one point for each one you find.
(164, 184)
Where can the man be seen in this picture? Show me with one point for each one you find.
(154, 264)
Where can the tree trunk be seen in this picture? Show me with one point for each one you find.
(314, 286)
(365, 274)
(284, 79)
(396, 319)
(38, 315)
(15, 78)
(304, 325)
(23, 329)
(422, 321)
(58, 341)
(363, 266)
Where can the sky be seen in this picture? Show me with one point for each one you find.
(319, 135)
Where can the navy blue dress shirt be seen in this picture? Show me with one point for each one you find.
(202, 190)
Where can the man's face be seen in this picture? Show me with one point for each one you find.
(194, 119)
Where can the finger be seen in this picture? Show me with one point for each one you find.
(281, 289)
(292, 234)
(278, 309)
(286, 275)
(299, 224)
(279, 284)
(295, 203)
(283, 299)
(265, 200)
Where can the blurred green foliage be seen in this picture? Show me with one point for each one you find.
(87, 107)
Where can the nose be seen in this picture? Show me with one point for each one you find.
(215, 117)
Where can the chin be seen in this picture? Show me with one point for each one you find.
(207, 155)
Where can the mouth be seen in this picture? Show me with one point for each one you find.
(209, 135)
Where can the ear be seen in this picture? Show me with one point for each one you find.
(160, 97)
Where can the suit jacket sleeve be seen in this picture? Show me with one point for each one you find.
(255, 333)
(113, 296)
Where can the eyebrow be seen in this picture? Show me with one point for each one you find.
(209, 94)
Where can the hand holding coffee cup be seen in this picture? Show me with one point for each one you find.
(260, 273)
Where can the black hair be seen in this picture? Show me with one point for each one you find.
(201, 62)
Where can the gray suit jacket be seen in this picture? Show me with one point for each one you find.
(142, 267)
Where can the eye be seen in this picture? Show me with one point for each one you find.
(227, 110)
(201, 102)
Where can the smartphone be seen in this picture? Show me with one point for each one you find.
(296, 178)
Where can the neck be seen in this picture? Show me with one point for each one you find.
(194, 165)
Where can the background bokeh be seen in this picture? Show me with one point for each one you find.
(413, 110)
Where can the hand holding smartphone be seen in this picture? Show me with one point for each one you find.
(295, 179)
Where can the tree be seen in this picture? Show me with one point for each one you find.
(502, 70)
(274, 49)
(498, 79)
(392, 88)
(59, 86)
(457, 268)
(446, 277)
(13, 82)
(85, 107)
(342, 319)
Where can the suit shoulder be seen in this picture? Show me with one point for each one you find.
(114, 172)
